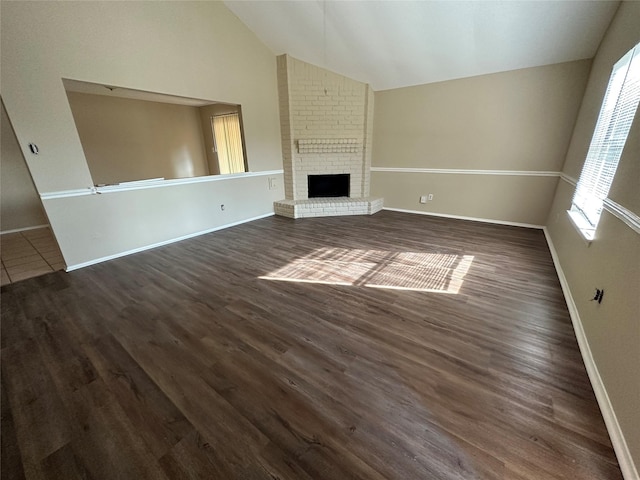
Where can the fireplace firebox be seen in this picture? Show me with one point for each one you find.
(321, 186)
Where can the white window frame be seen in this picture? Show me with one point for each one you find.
(609, 138)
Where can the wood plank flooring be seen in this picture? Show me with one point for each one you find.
(393, 346)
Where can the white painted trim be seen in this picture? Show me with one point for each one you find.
(460, 217)
(631, 219)
(24, 229)
(622, 213)
(462, 171)
(568, 179)
(183, 181)
(585, 230)
(628, 468)
(68, 193)
(141, 185)
(160, 244)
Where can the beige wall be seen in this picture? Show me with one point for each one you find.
(206, 113)
(512, 199)
(519, 120)
(612, 260)
(125, 139)
(21, 206)
(189, 49)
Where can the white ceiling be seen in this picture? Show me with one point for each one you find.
(392, 44)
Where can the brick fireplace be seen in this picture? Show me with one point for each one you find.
(327, 123)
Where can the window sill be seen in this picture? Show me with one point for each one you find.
(586, 231)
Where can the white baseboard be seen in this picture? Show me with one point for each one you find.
(629, 470)
(23, 229)
(459, 217)
(160, 244)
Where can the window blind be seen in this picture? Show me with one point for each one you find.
(228, 143)
(614, 122)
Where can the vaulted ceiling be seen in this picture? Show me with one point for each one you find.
(392, 44)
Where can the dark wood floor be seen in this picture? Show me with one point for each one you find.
(222, 357)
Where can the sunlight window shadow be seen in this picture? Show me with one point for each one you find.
(419, 271)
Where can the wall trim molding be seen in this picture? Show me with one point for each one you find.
(623, 214)
(128, 186)
(627, 216)
(628, 468)
(462, 171)
(78, 192)
(77, 266)
(568, 179)
(460, 217)
(24, 229)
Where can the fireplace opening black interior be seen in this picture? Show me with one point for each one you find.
(328, 185)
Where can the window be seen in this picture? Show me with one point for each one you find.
(614, 122)
(227, 136)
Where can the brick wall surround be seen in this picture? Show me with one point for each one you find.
(319, 106)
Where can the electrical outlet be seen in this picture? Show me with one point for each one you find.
(273, 183)
(430, 197)
(423, 199)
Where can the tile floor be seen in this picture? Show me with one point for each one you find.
(29, 254)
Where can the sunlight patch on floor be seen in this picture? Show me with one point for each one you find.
(420, 271)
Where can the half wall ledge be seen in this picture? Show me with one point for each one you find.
(328, 207)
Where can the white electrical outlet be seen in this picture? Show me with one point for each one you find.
(273, 183)
(430, 197)
(423, 199)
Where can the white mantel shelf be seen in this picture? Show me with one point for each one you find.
(328, 207)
